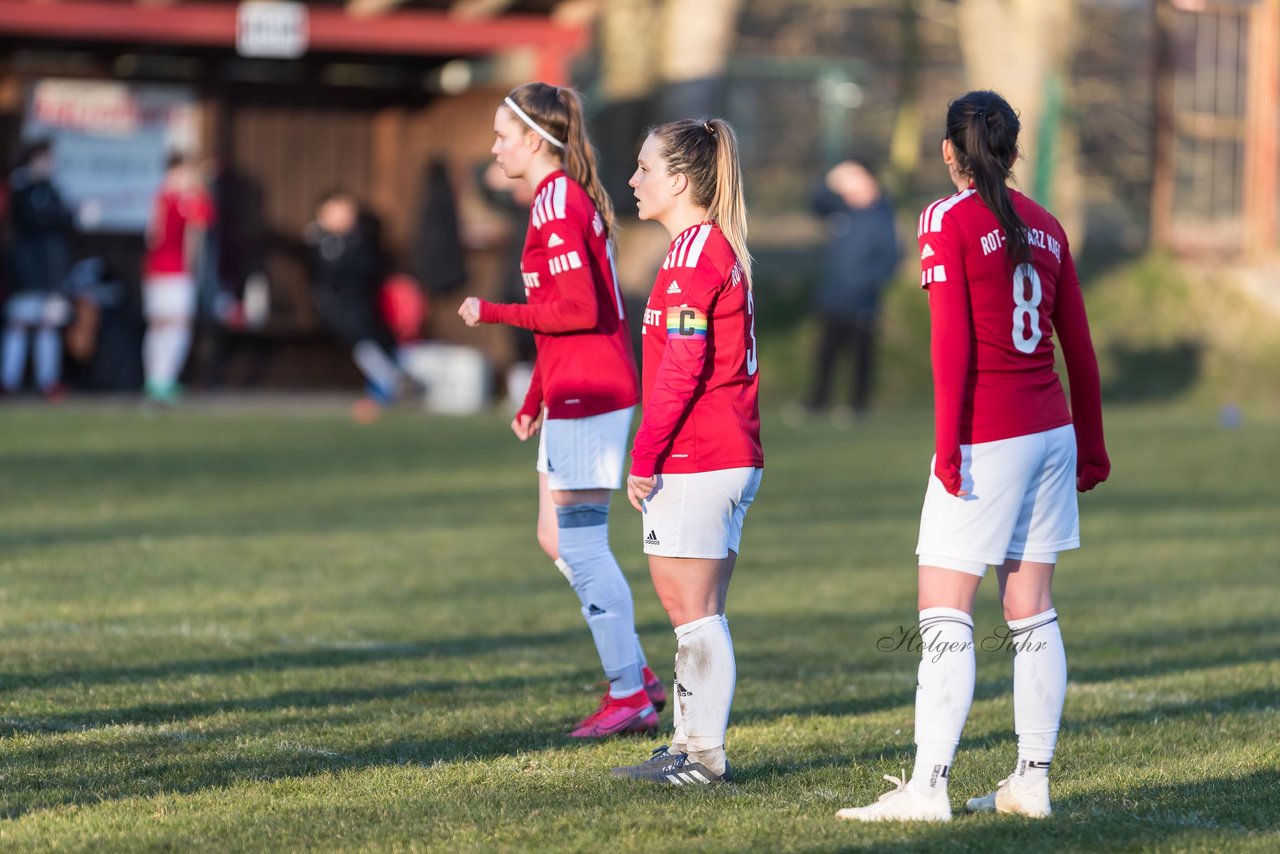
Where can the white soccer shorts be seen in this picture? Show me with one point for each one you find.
(169, 296)
(585, 453)
(1021, 504)
(699, 515)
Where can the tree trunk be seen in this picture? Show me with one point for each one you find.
(697, 36)
(904, 146)
(1023, 50)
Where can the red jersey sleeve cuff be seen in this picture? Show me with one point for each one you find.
(488, 312)
(643, 466)
(532, 408)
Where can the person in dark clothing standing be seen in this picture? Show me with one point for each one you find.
(346, 275)
(862, 253)
(39, 263)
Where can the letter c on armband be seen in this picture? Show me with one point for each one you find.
(686, 322)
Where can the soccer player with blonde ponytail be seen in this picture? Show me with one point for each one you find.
(584, 385)
(697, 461)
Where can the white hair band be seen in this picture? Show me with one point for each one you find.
(524, 117)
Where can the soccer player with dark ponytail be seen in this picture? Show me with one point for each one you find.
(584, 385)
(1009, 458)
(696, 460)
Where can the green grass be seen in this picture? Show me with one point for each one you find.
(253, 632)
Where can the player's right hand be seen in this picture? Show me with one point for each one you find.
(469, 311)
(639, 489)
(526, 426)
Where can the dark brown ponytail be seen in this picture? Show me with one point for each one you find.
(983, 130)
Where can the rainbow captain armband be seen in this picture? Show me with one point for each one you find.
(686, 322)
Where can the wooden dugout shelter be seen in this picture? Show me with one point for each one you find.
(379, 89)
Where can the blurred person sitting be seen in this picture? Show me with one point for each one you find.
(180, 213)
(862, 253)
(40, 259)
(346, 277)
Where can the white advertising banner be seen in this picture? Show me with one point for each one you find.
(110, 142)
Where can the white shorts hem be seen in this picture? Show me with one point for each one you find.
(557, 485)
(965, 565)
(1037, 551)
(660, 552)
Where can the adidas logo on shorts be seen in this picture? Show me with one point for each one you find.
(595, 610)
(652, 539)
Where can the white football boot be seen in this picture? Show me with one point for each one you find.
(902, 804)
(1009, 797)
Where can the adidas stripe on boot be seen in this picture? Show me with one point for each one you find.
(675, 769)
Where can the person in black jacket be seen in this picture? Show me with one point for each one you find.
(346, 276)
(862, 253)
(40, 259)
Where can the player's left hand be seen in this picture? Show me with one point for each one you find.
(640, 488)
(1090, 474)
(469, 311)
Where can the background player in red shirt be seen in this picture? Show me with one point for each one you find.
(168, 285)
(584, 386)
(1009, 457)
(697, 461)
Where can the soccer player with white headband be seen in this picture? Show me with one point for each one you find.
(584, 387)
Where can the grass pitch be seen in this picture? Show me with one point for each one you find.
(238, 631)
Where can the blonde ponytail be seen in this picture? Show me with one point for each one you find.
(728, 207)
(706, 152)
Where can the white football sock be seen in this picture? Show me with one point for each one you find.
(944, 692)
(15, 356)
(164, 351)
(603, 591)
(1039, 689)
(48, 357)
(706, 674)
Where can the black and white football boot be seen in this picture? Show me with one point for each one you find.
(676, 769)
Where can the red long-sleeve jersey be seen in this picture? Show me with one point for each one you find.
(172, 214)
(701, 386)
(585, 364)
(992, 333)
